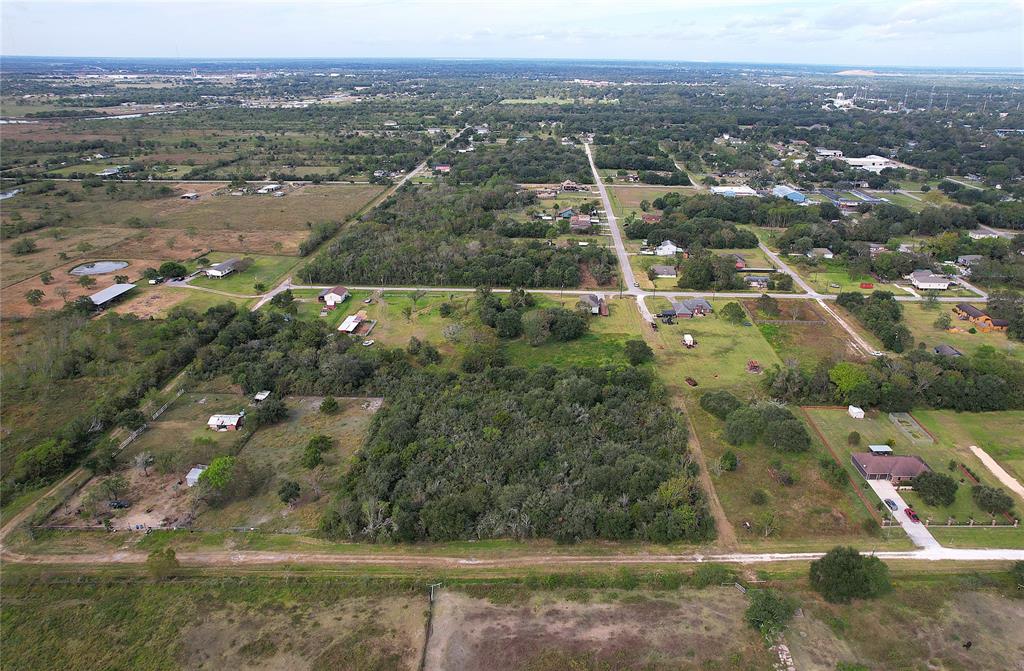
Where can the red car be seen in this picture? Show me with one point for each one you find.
(912, 515)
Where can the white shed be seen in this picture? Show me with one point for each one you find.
(855, 412)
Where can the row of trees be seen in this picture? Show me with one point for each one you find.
(880, 314)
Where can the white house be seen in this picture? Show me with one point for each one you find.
(333, 297)
(820, 253)
(822, 152)
(223, 268)
(192, 478)
(871, 163)
(667, 248)
(225, 422)
(855, 412)
(926, 279)
(269, 188)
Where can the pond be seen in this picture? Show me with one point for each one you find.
(98, 267)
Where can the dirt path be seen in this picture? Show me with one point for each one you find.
(998, 471)
(726, 532)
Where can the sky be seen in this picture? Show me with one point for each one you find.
(964, 33)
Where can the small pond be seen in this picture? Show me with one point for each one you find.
(98, 267)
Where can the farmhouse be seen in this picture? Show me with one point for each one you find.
(981, 319)
(691, 307)
(569, 185)
(104, 297)
(668, 248)
(788, 192)
(223, 269)
(442, 169)
(649, 218)
(895, 469)
(595, 304)
(225, 422)
(580, 223)
(192, 478)
(967, 261)
(733, 190)
(756, 281)
(333, 297)
(663, 271)
(926, 279)
(820, 253)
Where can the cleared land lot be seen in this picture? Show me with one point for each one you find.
(806, 341)
(626, 199)
(14, 296)
(836, 425)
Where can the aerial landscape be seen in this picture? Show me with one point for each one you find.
(432, 336)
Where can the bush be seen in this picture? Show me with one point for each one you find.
(271, 411)
(329, 405)
(734, 313)
(708, 575)
(992, 499)
(288, 491)
(23, 246)
(769, 611)
(853, 439)
(312, 456)
(758, 497)
(730, 461)
(844, 574)
(935, 489)
(719, 403)
(638, 352)
(832, 473)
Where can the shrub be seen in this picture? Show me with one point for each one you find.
(329, 405)
(730, 461)
(288, 491)
(638, 352)
(271, 411)
(719, 403)
(832, 473)
(758, 497)
(991, 499)
(853, 439)
(935, 489)
(769, 611)
(844, 574)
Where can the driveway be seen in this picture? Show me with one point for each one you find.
(918, 532)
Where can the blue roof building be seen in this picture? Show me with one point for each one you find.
(790, 193)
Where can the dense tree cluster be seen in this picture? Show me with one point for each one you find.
(880, 314)
(632, 154)
(534, 161)
(570, 454)
(986, 380)
(443, 236)
(844, 574)
(768, 423)
(935, 489)
(704, 270)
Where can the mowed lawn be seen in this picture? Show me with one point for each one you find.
(921, 321)
(823, 276)
(267, 270)
(720, 359)
(836, 425)
(1000, 434)
(626, 199)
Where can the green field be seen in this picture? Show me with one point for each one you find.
(836, 425)
(603, 345)
(999, 433)
(266, 269)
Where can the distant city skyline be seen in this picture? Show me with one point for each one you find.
(868, 33)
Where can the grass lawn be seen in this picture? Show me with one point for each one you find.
(276, 451)
(720, 359)
(836, 425)
(266, 269)
(640, 264)
(825, 274)
(755, 257)
(808, 342)
(603, 345)
(980, 537)
(920, 319)
(998, 433)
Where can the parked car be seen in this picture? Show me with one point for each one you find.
(912, 515)
(367, 343)
(118, 504)
(156, 280)
(892, 505)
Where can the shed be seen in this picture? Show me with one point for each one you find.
(225, 422)
(192, 478)
(880, 449)
(855, 412)
(947, 350)
(261, 395)
(105, 296)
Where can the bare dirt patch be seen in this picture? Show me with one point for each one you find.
(156, 501)
(155, 302)
(13, 296)
(631, 630)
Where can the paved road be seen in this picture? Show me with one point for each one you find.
(620, 248)
(917, 531)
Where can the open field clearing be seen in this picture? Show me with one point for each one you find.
(603, 345)
(13, 296)
(74, 244)
(920, 319)
(209, 625)
(999, 434)
(833, 278)
(809, 510)
(156, 301)
(836, 425)
(593, 629)
(808, 340)
(626, 199)
(719, 361)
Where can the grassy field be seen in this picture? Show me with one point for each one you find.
(211, 624)
(836, 425)
(921, 321)
(807, 342)
(266, 269)
(823, 276)
(720, 359)
(156, 301)
(626, 199)
(603, 345)
(276, 450)
(998, 433)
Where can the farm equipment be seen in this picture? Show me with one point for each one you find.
(753, 366)
(689, 342)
